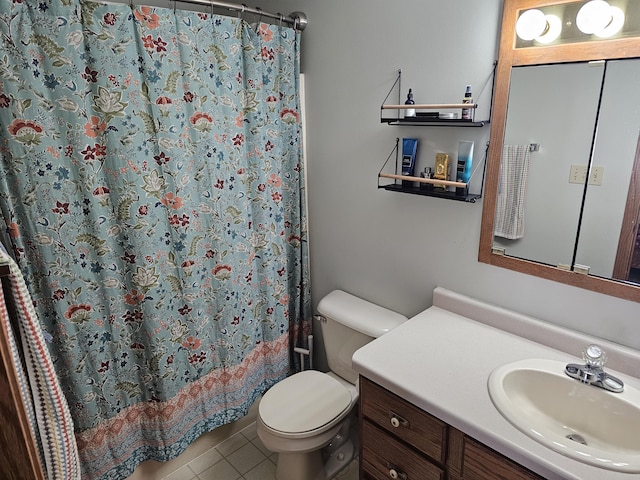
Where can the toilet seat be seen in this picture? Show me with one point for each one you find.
(308, 402)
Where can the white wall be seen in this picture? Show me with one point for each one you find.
(393, 248)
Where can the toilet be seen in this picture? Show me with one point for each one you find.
(307, 417)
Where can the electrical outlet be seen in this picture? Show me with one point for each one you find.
(578, 174)
(595, 178)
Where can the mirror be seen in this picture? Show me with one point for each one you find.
(573, 103)
(614, 152)
(539, 96)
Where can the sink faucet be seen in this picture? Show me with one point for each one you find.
(592, 372)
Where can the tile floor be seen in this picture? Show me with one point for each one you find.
(231, 452)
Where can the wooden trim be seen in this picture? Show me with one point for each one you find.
(549, 272)
(19, 456)
(629, 230)
(430, 106)
(432, 181)
(455, 452)
(4, 270)
(577, 52)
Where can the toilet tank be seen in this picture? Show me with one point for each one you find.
(349, 323)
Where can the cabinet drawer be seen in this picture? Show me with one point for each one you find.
(406, 421)
(472, 460)
(382, 455)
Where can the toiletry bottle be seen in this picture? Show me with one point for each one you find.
(410, 112)
(466, 112)
(426, 174)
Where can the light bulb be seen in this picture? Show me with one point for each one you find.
(593, 17)
(617, 21)
(531, 24)
(554, 27)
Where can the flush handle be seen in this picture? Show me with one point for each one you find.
(397, 421)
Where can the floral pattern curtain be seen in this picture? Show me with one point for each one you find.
(152, 190)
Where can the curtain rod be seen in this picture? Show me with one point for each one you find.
(297, 19)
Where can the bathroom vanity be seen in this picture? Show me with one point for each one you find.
(436, 451)
(425, 407)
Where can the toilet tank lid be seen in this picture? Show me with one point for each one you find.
(360, 315)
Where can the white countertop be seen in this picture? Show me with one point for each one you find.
(440, 361)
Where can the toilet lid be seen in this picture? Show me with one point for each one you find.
(303, 402)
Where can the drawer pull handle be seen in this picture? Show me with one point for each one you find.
(396, 474)
(397, 420)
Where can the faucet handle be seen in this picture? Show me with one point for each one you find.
(594, 355)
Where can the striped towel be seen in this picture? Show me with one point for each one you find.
(512, 189)
(47, 409)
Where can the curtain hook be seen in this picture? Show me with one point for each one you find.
(280, 19)
(259, 19)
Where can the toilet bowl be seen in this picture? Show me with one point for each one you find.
(317, 405)
(307, 417)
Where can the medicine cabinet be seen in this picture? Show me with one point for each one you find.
(600, 253)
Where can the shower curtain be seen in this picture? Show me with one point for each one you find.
(152, 190)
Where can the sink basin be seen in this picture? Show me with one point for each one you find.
(580, 421)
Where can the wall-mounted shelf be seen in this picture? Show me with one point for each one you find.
(419, 122)
(432, 119)
(430, 115)
(428, 187)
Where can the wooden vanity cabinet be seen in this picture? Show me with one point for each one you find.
(469, 459)
(387, 425)
(401, 441)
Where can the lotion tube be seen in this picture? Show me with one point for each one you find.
(465, 159)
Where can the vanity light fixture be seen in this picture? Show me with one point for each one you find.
(530, 24)
(617, 21)
(535, 25)
(554, 27)
(598, 18)
(595, 17)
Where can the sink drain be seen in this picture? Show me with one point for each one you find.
(577, 438)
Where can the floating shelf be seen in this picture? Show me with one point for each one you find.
(433, 122)
(429, 187)
(469, 198)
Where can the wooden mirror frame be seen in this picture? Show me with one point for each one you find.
(509, 57)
